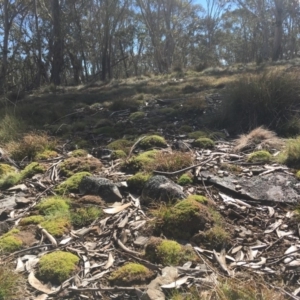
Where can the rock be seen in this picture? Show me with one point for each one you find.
(161, 188)
(103, 187)
(154, 291)
(274, 187)
(8, 202)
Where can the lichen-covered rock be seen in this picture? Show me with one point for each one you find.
(103, 187)
(161, 188)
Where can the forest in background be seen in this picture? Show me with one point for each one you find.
(66, 42)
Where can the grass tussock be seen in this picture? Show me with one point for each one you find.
(291, 154)
(30, 145)
(10, 128)
(260, 99)
(258, 139)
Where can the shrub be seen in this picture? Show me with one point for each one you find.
(57, 266)
(260, 99)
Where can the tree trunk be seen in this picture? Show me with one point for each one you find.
(5, 45)
(278, 30)
(39, 46)
(57, 59)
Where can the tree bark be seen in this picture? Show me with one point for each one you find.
(277, 48)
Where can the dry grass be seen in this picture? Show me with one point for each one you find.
(258, 139)
(30, 145)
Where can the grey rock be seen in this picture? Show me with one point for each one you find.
(161, 188)
(103, 187)
(154, 291)
(8, 202)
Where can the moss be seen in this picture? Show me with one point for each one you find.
(53, 205)
(137, 116)
(10, 242)
(121, 144)
(74, 165)
(198, 198)
(9, 180)
(216, 237)
(6, 169)
(117, 154)
(57, 225)
(107, 131)
(184, 219)
(197, 134)
(32, 169)
(32, 220)
(79, 153)
(71, 184)
(298, 175)
(136, 182)
(186, 128)
(12, 285)
(260, 157)
(131, 273)
(46, 154)
(291, 154)
(85, 216)
(104, 123)
(185, 179)
(205, 143)
(153, 141)
(141, 161)
(57, 267)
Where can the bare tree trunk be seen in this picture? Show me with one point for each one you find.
(57, 59)
(5, 45)
(39, 46)
(277, 49)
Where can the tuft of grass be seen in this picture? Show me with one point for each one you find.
(259, 157)
(84, 216)
(30, 145)
(10, 128)
(259, 99)
(185, 179)
(258, 138)
(291, 154)
(138, 115)
(11, 284)
(57, 266)
(53, 205)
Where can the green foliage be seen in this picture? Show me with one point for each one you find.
(121, 144)
(198, 198)
(141, 161)
(261, 156)
(197, 134)
(79, 153)
(12, 284)
(71, 184)
(57, 267)
(117, 154)
(6, 169)
(131, 273)
(259, 99)
(136, 182)
(32, 169)
(298, 175)
(9, 180)
(53, 205)
(153, 141)
(57, 224)
(46, 154)
(205, 143)
(185, 179)
(10, 127)
(138, 115)
(32, 220)
(85, 216)
(216, 237)
(10, 242)
(291, 154)
(186, 128)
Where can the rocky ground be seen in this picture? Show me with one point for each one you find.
(151, 205)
